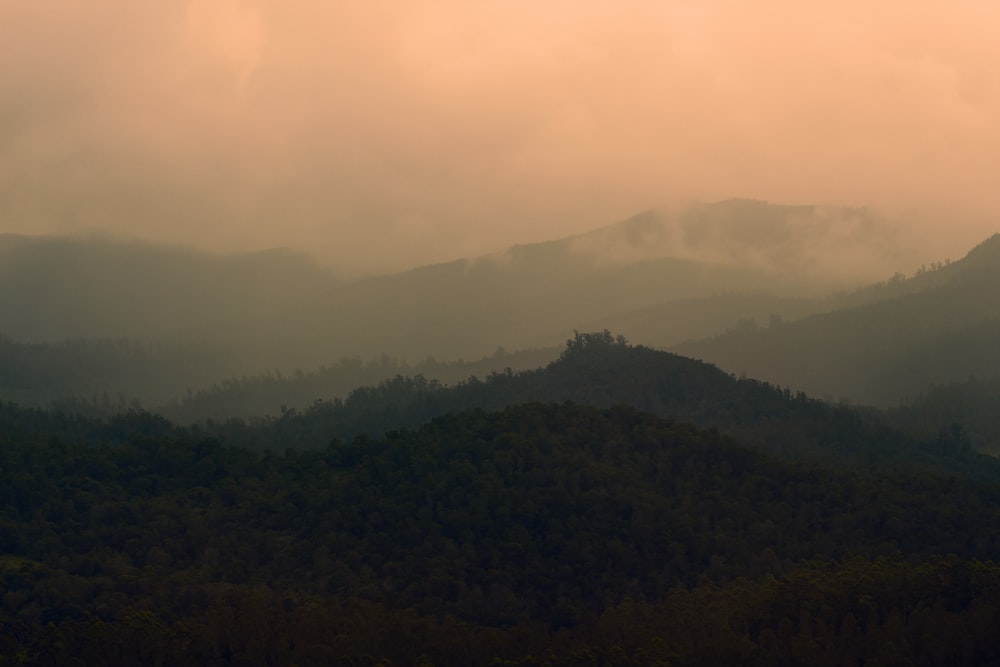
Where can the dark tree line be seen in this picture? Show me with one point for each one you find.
(603, 370)
(539, 534)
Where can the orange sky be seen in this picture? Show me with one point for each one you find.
(385, 134)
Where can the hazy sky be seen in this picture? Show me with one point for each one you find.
(381, 134)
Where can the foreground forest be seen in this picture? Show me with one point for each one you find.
(792, 532)
(561, 530)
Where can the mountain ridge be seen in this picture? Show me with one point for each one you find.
(877, 351)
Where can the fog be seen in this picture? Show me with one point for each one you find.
(383, 135)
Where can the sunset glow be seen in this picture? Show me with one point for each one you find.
(381, 135)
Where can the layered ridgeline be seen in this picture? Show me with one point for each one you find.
(711, 264)
(182, 380)
(595, 369)
(660, 277)
(56, 288)
(539, 534)
(938, 327)
(603, 370)
(111, 322)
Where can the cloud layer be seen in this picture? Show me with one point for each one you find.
(385, 134)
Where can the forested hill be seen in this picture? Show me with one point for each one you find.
(594, 369)
(935, 328)
(601, 370)
(540, 534)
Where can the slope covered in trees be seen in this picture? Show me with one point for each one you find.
(104, 376)
(968, 408)
(620, 505)
(595, 369)
(540, 532)
(185, 381)
(939, 329)
(274, 393)
(602, 370)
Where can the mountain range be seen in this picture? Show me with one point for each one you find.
(746, 285)
(937, 327)
(279, 309)
(597, 502)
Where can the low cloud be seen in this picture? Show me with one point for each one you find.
(381, 137)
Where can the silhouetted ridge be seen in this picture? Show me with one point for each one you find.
(602, 370)
(985, 256)
(907, 334)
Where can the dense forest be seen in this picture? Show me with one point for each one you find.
(603, 370)
(468, 334)
(744, 525)
(540, 519)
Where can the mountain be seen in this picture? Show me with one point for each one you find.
(58, 288)
(594, 369)
(189, 382)
(100, 375)
(666, 324)
(572, 534)
(937, 327)
(600, 370)
(662, 277)
(619, 506)
(533, 295)
(816, 246)
(273, 394)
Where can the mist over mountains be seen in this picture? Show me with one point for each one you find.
(826, 244)
(526, 296)
(57, 288)
(804, 296)
(937, 327)
(197, 448)
(193, 319)
(444, 334)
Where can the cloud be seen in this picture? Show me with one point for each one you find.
(387, 134)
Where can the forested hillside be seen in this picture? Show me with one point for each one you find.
(188, 382)
(499, 334)
(935, 328)
(557, 532)
(969, 407)
(104, 376)
(617, 505)
(602, 370)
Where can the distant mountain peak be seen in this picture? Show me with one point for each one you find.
(842, 244)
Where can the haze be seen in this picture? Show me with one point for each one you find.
(381, 135)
